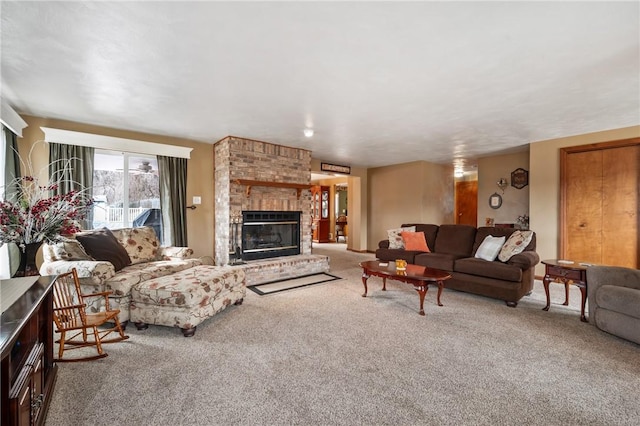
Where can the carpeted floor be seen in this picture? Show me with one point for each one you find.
(323, 355)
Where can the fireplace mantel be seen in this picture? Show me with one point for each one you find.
(299, 187)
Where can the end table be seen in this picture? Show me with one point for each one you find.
(566, 272)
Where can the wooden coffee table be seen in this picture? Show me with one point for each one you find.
(418, 276)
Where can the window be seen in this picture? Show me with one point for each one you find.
(126, 191)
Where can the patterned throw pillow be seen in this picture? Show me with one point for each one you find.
(415, 241)
(65, 249)
(515, 244)
(395, 237)
(141, 243)
(490, 248)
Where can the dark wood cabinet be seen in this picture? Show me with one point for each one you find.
(320, 210)
(27, 370)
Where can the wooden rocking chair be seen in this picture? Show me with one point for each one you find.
(70, 316)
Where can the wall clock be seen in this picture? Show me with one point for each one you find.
(519, 178)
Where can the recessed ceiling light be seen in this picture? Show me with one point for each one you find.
(308, 132)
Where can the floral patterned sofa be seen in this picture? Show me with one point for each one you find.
(147, 261)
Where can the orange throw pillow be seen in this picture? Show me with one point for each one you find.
(415, 241)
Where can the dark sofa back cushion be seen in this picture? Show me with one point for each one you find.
(430, 232)
(455, 239)
(483, 231)
(101, 244)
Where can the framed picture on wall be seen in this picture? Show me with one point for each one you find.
(519, 178)
(495, 201)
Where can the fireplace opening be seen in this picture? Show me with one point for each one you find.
(268, 234)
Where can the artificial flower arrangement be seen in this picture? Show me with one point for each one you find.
(34, 214)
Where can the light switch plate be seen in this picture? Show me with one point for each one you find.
(197, 200)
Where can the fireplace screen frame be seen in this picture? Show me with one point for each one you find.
(252, 218)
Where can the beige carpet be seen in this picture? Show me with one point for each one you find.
(323, 355)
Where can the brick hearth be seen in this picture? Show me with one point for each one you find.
(280, 268)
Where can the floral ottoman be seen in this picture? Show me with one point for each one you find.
(187, 298)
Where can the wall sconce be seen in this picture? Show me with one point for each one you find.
(502, 184)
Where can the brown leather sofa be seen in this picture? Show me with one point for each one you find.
(453, 248)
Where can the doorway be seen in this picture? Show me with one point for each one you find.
(467, 202)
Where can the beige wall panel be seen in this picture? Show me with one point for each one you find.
(515, 202)
(418, 192)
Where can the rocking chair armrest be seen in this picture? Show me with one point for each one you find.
(61, 308)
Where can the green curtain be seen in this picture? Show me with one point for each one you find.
(173, 199)
(12, 165)
(72, 167)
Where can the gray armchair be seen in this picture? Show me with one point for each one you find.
(614, 300)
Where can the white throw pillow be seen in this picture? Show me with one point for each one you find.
(490, 248)
(395, 237)
(515, 244)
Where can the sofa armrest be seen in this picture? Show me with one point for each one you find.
(98, 270)
(525, 260)
(384, 244)
(168, 253)
(599, 275)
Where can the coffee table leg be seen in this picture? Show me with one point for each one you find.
(566, 292)
(365, 277)
(422, 291)
(384, 284)
(440, 286)
(545, 282)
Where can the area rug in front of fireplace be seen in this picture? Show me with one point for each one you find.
(292, 283)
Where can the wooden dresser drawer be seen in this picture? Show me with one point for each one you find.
(558, 272)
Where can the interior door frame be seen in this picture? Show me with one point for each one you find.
(564, 159)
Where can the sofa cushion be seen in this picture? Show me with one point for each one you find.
(442, 261)
(515, 244)
(455, 239)
(124, 280)
(490, 248)
(395, 237)
(415, 241)
(141, 244)
(624, 300)
(192, 287)
(485, 268)
(101, 244)
(430, 232)
(65, 249)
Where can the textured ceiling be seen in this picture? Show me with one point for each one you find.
(380, 82)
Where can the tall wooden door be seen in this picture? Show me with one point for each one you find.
(467, 203)
(600, 204)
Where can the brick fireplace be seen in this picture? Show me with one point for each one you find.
(258, 176)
